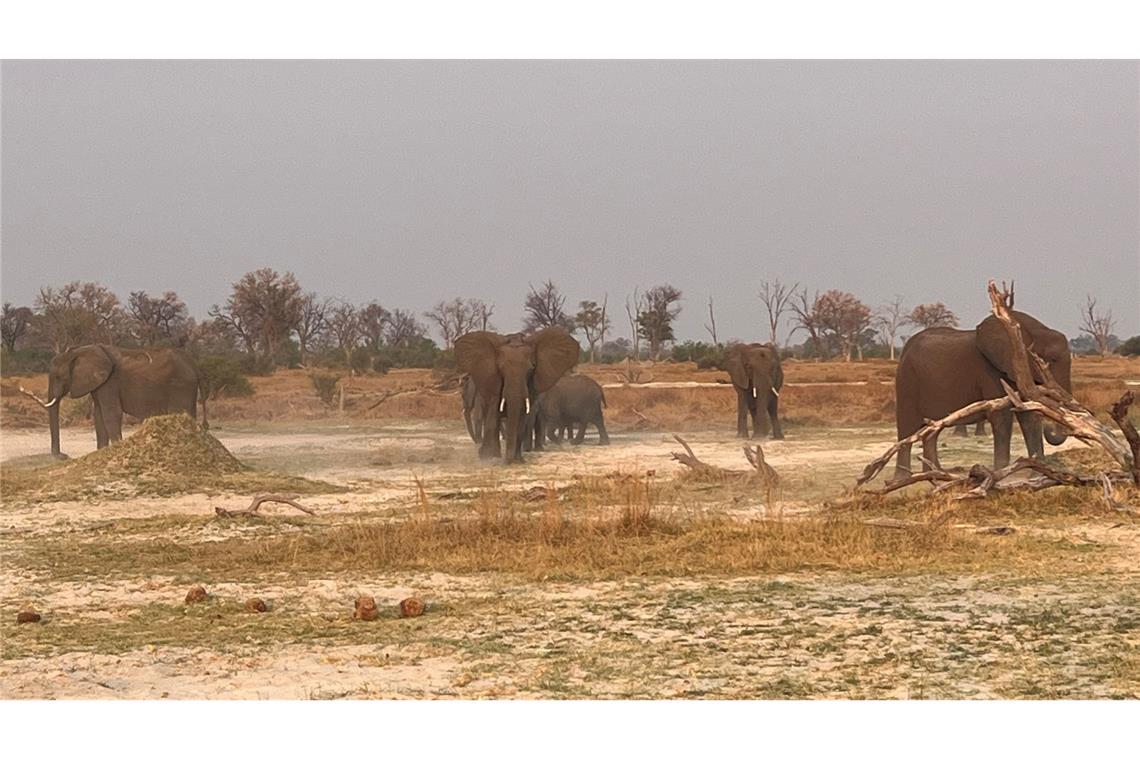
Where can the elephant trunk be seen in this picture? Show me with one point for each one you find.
(1062, 372)
(53, 419)
(513, 403)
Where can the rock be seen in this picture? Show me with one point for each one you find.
(411, 607)
(256, 605)
(366, 608)
(196, 595)
(28, 616)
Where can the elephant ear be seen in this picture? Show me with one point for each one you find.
(734, 365)
(90, 368)
(555, 353)
(476, 353)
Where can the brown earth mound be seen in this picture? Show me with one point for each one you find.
(166, 455)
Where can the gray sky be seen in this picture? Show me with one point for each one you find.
(411, 182)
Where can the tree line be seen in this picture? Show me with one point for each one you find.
(268, 320)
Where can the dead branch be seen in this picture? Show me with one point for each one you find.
(260, 499)
(31, 395)
(755, 458)
(642, 419)
(1119, 413)
(1110, 497)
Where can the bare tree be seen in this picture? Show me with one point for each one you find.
(807, 317)
(457, 317)
(482, 312)
(344, 325)
(14, 323)
(162, 320)
(313, 322)
(661, 305)
(889, 319)
(633, 312)
(403, 329)
(263, 309)
(777, 299)
(710, 326)
(1097, 324)
(845, 317)
(544, 308)
(78, 313)
(936, 314)
(373, 322)
(593, 322)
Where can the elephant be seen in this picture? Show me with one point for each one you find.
(574, 400)
(756, 373)
(509, 372)
(141, 383)
(942, 369)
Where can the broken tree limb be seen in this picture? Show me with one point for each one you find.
(1119, 413)
(31, 395)
(260, 499)
(988, 406)
(1110, 496)
(761, 469)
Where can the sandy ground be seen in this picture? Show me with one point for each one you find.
(794, 636)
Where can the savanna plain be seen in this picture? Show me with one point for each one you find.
(585, 572)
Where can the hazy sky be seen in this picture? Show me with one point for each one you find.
(411, 182)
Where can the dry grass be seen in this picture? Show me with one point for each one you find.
(168, 454)
(550, 545)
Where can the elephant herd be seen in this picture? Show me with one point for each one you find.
(518, 390)
(516, 387)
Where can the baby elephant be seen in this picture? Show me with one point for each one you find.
(574, 400)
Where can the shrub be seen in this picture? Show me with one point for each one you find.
(325, 384)
(220, 375)
(1130, 347)
(381, 364)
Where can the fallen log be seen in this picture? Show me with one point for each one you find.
(252, 509)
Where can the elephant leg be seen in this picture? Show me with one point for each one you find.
(902, 463)
(1030, 424)
(774, 415)
(980, 428)
(100, 428)
(112, 418)
(741, 416)
(580, 434)
(538, 435)
(930, 452)
(490, 447)
(603, 436)
(759, 419)
(961, 431)
(1002, 424)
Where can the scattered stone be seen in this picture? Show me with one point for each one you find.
(196, 595)
(28, 616)
(411, 607)
(256, 605)
(366, 608)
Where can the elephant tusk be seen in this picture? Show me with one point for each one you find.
(502, 404)
(528, 406)
(753, 391)
(775, 393)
